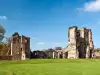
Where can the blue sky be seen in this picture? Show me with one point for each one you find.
(46, 22)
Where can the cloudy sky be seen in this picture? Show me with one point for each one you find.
(46, 22)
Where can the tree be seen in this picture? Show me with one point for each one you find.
(2, 32)
(5, 48)
(3, 45)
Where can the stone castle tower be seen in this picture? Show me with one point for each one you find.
(80, 43)
(20, 47)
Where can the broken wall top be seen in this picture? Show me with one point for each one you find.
(73, 27)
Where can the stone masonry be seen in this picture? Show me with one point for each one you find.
(72, 42)
(80, 43)
(19, 47)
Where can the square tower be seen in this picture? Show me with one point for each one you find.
(80, 43)
(20, 47)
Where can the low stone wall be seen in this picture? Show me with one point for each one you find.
(5, 57)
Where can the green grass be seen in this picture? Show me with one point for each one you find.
(51, 67)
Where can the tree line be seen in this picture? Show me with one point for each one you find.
(4, 46)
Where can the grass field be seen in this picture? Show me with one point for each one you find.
(50, 67)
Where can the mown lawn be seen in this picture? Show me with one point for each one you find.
(51, 67)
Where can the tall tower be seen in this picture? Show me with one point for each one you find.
(15, 46)
(80, 43)
(86, 43)
(20, 47)
(72, 42)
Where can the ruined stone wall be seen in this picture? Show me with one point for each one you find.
(16, 47)
(20, 47)
(65, 53)
(87, 52)
(80, 43)
(26, 46)
(5, 57)
(72, 43)
(91, 44)
(39, 54)
(96, 54)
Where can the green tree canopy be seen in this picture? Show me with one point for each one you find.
(2, 32)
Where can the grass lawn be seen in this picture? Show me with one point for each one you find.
(51, 67)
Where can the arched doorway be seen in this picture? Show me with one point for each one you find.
(66, 54)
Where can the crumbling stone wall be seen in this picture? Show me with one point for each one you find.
(96, 53)
(91, 44)
(80, 43)
(15, 46)
(26, 46)
(72, 42)
(20, 47)
(5, 57)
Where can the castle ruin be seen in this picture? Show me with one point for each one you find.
(19, 47)
(80, 43)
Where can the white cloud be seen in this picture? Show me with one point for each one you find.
(3, 17)
(40, 43)
(93, 6)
